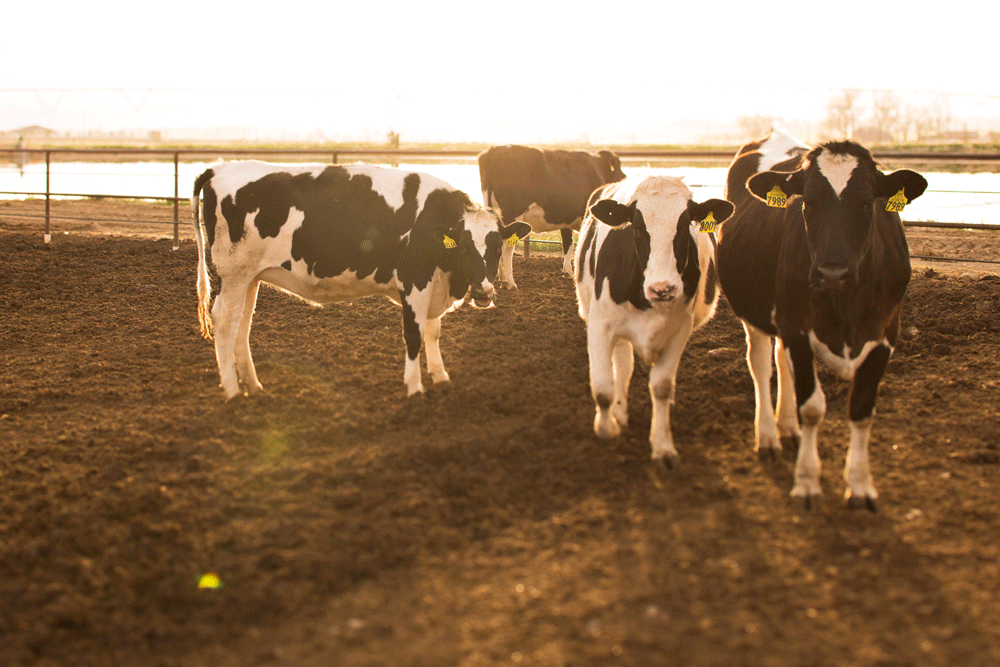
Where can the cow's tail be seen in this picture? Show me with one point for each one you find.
(204, 284)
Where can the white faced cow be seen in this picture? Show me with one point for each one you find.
(645, 279)
(330, 233)
(546, 188)
(815, 255)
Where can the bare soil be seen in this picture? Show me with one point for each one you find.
(483, 523)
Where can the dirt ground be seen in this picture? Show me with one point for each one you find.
(483, 523)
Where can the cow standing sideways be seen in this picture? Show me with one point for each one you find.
(815, 255)
(330, 233)
(645, 279)
(548, 189)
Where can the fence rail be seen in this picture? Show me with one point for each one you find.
(23, 156)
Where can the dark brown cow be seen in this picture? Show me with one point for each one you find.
(815, 255)
(548, 189)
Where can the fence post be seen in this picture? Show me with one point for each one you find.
(177, 237)
(48, 229)
(334, 158)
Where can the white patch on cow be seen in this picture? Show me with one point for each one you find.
(837, 168)
(807, 463)
(777, 148)
(843, 364)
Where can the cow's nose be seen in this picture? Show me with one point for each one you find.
(831, 275)
(833, 271)
(483, 295)
(661, 292)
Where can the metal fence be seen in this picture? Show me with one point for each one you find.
(23, 156)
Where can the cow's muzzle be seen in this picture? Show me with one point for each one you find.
(830, 276)
(483, 297)
(661, 292)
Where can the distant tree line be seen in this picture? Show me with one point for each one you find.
(874, 117)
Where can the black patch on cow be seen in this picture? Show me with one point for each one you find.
(586, 251)
(864, 385)
(710, 280)
(622, 259)
(801, 356)
(287, 265)
(411, 331)
(686, 256)
(209, 204)
(567, 239)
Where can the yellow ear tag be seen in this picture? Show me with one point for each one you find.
(897, 202)
(512, 241)
(210, 581)
(450, 242)
(708, 224)
(777, 198)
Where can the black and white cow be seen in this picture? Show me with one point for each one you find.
(645, 279)
(330, 233)
(548, 189)
(815, 255)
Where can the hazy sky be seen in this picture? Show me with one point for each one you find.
(466, 67)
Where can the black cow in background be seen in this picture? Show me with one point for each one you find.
(548, 189)
(815, 255)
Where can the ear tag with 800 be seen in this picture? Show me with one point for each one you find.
(449, 242)
(708, 224)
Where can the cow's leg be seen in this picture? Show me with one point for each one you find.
(864, 389)
(435, 365)
(568, 248)
(788, 414)
(662, 383)
(244, 360)
(602, 378)
(759, 347)
(227, 311)
(624, 363)
(812, 408)
(507, 266)
(414, 325)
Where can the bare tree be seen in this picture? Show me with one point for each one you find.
(842, 114)
(885, 115)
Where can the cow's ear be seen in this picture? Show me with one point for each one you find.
(709, 213)
(910, 183)
(442, 235)
(774, 187)
(518, 229)
(613, 213)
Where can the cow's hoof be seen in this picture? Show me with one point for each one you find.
(807, 501)
(769, 454)
(507, 285)
(607, 427)
(869, 503)
(667, 461)
(790, 443)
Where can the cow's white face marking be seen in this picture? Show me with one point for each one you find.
(837, 168)
(480, 223)
(662, 201)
